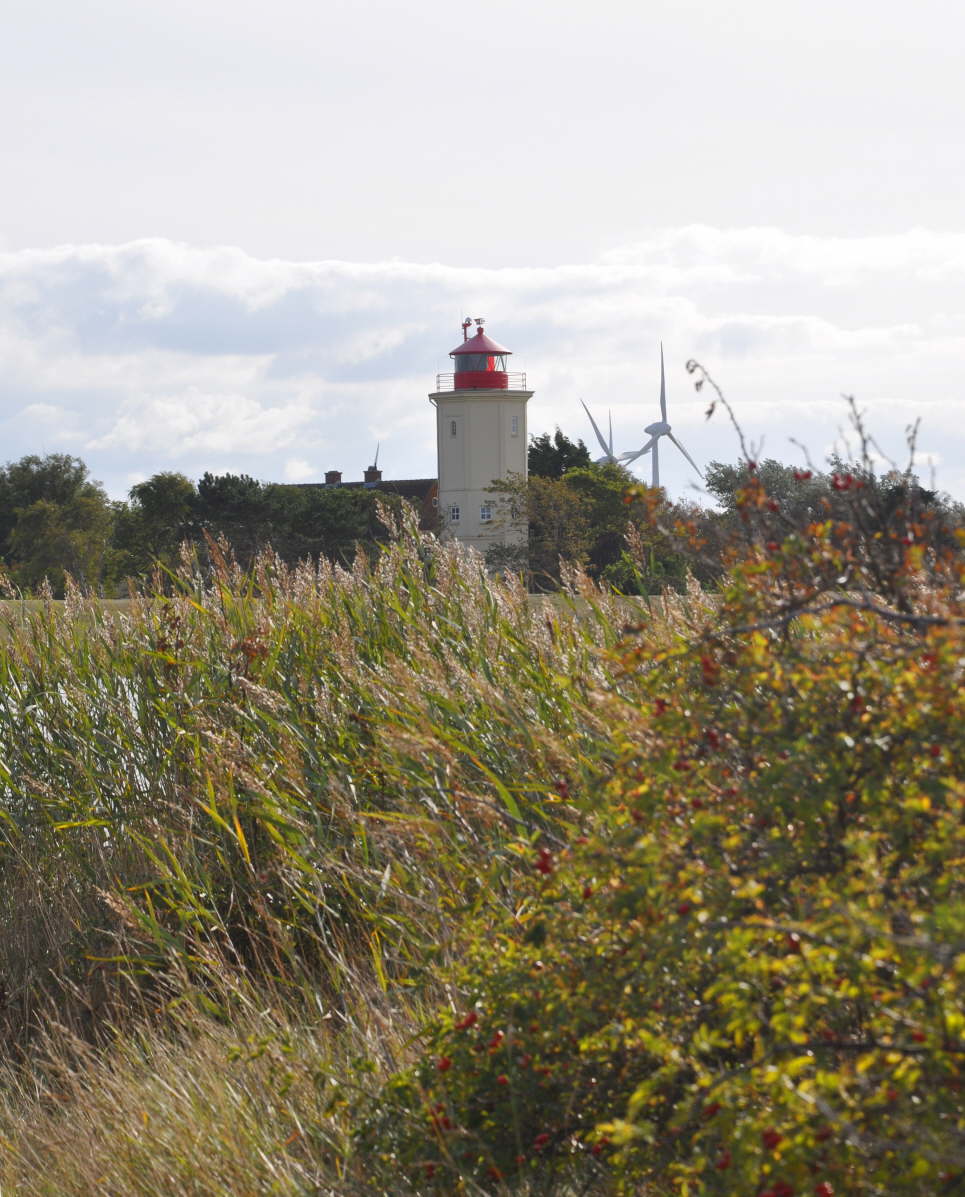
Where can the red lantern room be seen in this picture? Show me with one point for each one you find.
(480, 363)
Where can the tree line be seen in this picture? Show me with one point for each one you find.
(640, 541)
(56, 521)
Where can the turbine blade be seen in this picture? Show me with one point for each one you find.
(628, 457)
(599, 435)
(663, 388)
(610, 446)
(685, 453)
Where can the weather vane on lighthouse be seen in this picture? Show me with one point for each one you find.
(468, 323)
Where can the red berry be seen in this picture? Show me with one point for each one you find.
(684, 908)
(544, 863)
(469, 1021)
(772, 546)
(541, 1140)
(502, 1079)
(802, 475)
(793, 942)
(918, 1036)
(587, 891)
(723, 1161)
(935, 749)
(443, 1064)
(824, 1189)
(783, 1189)
(710, 1110)
(771, 1138)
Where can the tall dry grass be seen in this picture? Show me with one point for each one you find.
(241, 822)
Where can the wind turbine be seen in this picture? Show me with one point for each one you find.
(608, 457)
(656, 430)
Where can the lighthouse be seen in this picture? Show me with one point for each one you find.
(481, 439)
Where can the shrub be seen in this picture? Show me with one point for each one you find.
(747, 975)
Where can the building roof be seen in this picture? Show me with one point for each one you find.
(480, 343)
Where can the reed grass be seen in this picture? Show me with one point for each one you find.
(243, 817)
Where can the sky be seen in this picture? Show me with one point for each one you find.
(243, 236)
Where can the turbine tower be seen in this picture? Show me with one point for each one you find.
(656, 430)
(608, 458)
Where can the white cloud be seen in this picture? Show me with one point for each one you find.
(159, 355)
(220, 423)
(297, 469)
(752, 253)
(44, 413)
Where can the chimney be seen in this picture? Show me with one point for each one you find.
(333, 477)
(372, 475)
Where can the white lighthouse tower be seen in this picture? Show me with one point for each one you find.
(481, 439)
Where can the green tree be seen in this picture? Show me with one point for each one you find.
(56, 478)
(600, 518)
(559, 529)
(54, 521)
(236, 507)
(297, 522)
(308, 522)
(152, 525)
(802, 492)
(607, 493)
(552, 457)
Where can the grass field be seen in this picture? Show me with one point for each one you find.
(399, 880)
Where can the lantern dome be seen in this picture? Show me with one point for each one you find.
(479, 362)
(480, 343)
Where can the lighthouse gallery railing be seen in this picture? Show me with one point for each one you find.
(513, 382)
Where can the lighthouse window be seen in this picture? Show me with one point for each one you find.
(486, 513)
(515, 426)
(480, 362)
(452, 428)
(454, 513)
